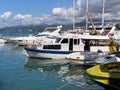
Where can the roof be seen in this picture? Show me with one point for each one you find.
(95, 37)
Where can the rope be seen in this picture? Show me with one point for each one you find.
(69, 82)
(62, 86)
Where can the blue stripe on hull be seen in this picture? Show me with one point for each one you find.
(47, 51)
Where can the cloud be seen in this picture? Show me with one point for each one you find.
(5, 19)
(66, 14)
(20, 16)
(78, 4)
(59, 11)
(6, 15)
(23, 19)
(95, 8)
(62, 12)
(111, 8)
(63, 15)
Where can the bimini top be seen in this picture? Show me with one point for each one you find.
(94, 37)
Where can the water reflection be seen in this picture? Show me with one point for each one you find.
(1, 46)
(17, 49)
(45, 64)
(70, 74)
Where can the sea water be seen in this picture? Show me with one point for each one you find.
(17, 72)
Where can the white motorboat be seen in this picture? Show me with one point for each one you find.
(69, 44)
(91, 58)
(46, 36)
(66, 45)
(2, 41)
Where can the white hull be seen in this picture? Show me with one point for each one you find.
(2, 41)
(84, 62)
(45, 54)
(84, 55)
(91, 58)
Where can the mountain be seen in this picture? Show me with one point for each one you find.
(41, 27)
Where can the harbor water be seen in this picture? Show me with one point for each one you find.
(17, 72)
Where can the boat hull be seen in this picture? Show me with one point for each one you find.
(48, 54)
(94, 61)
(90, 58)
(84, 62)
(2, 41)
(106, 75)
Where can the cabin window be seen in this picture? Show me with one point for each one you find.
(96, 42)
(45, 35)
(51, 37)
(58, 40)
(20, 40)
(64, 41)
(76, 41)
(103, 42)
(52, 47)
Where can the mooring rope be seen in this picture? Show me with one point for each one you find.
(82, 72)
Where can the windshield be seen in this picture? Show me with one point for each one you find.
(43, 35)
(58, 40)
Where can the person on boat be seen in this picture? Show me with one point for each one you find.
(32, 45)
(112, 45)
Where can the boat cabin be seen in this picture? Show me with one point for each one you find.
(96, 43)
(81, 43)
(66, 44)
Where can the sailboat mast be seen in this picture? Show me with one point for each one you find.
(73, 14)
(86, 14)
(103, 11)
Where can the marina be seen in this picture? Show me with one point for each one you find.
(23, 72)
(20, 73)
(60, 45)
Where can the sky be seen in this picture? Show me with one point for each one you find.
(35, 12)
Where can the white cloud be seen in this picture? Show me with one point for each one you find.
(57, 11)
(20, 16)
(62, 15)
(6, 15)
(78, 4)
(62, 11)
(23, 19)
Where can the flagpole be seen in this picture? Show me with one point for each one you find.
(103, 11)
(73, 14)
(86, 14)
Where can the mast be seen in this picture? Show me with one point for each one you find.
(103, 11)
(86, 14)
(73, 14)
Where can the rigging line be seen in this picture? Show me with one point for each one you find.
(69, 82)
(62, 86)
